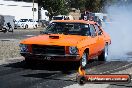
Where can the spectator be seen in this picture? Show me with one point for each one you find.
(9, 26)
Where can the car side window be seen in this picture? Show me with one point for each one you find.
(85, 30)
(98, 30)
(92, 30)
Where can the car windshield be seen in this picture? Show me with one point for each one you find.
(23, 20)
(68, 28)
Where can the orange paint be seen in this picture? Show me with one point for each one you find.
(93, 44)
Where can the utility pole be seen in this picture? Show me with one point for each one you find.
(39, 9)
(33, 13)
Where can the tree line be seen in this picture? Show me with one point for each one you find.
(56, 7)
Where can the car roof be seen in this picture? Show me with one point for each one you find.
(75, 21)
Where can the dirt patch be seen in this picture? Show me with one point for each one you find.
(9, 49)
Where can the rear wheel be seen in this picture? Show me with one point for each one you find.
(104, 55)
(26, 26)
(35, 26)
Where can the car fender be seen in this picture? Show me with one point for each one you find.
(107, 38)
(86, 44)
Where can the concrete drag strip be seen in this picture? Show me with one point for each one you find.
(117, 69)
(88, 86)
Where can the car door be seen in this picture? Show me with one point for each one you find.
(100, 40)
(94, 40)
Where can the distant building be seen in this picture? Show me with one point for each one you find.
(21, 10)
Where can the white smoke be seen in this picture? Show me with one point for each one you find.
(120, 30)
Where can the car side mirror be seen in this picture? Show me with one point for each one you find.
(100, 33)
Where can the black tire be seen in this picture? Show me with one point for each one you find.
(103, 56)
(81, 80)
(26, 26)
(29, 61)
(4, 30)
(84, 60)
(11, 30)
(35, 26)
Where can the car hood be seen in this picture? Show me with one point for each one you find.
(54, 39)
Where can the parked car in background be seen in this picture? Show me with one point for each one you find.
(15, 24)
(27, 23)
(67, 40)
(61, 17)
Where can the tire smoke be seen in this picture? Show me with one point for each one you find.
(120, 30)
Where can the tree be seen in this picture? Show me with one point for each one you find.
(55, 7)
(91, 5)
(26, 0)
(78, 4)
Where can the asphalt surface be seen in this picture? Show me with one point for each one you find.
(39, 76)
(16, 74)
(55, 75)
(20, 33)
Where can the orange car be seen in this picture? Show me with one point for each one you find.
(67, 40)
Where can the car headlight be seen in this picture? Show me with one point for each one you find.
(23, 48)
(73, 50)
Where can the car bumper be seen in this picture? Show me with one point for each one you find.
(51, 57)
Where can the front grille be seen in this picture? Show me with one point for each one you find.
(46, 49)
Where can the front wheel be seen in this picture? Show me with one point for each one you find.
(4, 30)
(81, 80)
(29, 61)
(84, 60)
(104, 55)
